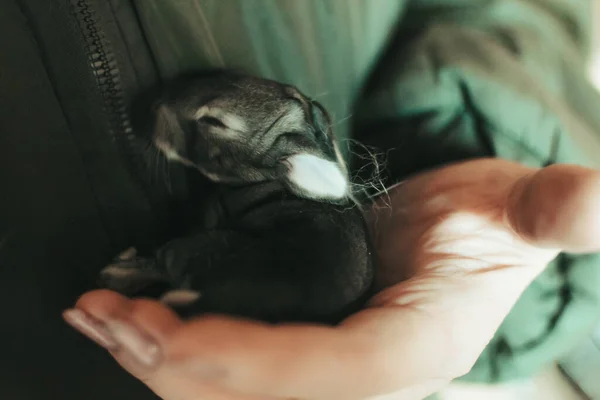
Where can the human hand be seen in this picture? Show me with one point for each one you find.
(457, 245)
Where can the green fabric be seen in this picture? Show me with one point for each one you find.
(326, 48)
(429, 81)
(497, 80)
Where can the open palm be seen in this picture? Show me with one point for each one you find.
(457, 246)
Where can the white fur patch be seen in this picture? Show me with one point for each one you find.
(233, 123)
(203, 111)
(180, 297)
(167, 150)
(172, 155)
(317, 177)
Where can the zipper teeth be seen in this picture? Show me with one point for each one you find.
(106, 71)
(103, 66)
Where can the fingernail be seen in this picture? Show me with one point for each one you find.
(90, 327)
(139, 345)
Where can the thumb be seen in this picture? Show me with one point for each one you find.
(558, 207)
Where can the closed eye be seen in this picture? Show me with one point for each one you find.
(290, 143)
(212, 121)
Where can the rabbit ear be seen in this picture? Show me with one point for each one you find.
(316, 178)
(169, 135)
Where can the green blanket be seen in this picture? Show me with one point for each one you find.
(428, 82)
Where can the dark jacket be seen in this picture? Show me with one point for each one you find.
(427, 81)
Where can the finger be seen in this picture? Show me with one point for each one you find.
(136, 328)
(158, 320)
(558, 207)
(155, 324)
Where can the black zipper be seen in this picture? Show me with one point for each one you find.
(131, 146)
(108, 80)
